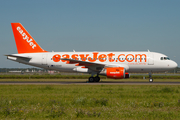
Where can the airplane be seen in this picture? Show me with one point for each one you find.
(116, 65)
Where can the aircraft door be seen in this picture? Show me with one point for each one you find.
(44, 59)
(150, 59)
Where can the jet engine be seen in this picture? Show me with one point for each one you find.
(115, 72)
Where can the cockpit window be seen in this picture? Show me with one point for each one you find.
(165, 58)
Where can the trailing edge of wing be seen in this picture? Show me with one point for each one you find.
(92, 64)
(82, 63)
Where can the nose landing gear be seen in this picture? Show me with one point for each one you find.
(150, 77)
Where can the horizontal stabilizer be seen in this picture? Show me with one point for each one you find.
(21, 57)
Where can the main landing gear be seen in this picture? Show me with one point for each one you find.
(150, 77)
(94, 79)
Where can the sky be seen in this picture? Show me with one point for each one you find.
(93, 25)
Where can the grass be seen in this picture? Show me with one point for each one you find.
(89, 102)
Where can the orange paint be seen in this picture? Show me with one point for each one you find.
(120, 56)
(83, 67)
(74, 56)
(140, 56)
(65, 56)
(102, 57)
(94, 58)
(110, 55)
(128, 59)
(67, 62)
(24, 42)
(115, 72)
(127, 75)
(77, 64)
(56, 58)
(83, 57)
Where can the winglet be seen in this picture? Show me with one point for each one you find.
(24, 42)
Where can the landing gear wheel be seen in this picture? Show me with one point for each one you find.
(150, 80)
(150, 77)
(97, 79)
(91, 79)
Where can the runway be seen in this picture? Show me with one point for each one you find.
(84, 83)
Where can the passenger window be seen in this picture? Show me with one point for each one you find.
(161, 58)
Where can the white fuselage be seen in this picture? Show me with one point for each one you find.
(131, 61)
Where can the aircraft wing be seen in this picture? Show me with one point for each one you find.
(92, 65)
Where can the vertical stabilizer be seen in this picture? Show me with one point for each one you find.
(24, 42)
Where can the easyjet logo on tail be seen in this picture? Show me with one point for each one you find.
(26, 38)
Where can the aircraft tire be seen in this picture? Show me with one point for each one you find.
(91, 79)
(97, 79)
(150, 80)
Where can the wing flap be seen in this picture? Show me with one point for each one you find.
(92, 65)
(81, 63)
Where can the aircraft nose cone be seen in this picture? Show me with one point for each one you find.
(174, 64)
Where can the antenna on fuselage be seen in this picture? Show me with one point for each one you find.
(74, 51)
(148, 50)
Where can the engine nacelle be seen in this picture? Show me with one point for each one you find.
(115, 72)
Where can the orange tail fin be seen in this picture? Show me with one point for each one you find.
(24, 42)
